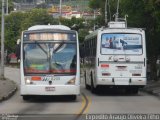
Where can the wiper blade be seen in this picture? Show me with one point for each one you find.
(54, 51)
(41, 48)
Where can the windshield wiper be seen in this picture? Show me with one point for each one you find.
(54, 51)
(41, 48)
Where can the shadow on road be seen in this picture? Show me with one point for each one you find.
(44, 99)
(115, 92)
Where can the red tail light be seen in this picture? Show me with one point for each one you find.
(105, 65)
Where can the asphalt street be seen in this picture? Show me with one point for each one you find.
(106, 102)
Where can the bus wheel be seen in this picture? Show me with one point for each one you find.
(93, 90)
(131, 90)
(73, 97)
(87, 86)
(128, 90)
(26, 97)
(135, 91)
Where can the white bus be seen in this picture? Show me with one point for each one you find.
(115, 57)
(49, 61)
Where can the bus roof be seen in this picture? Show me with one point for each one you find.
(42, 27)
(94, 33)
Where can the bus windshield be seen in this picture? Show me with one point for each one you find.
(121, 43)
(50, 58)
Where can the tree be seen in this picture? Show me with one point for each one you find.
(10, 5)
(13, 23)
(16, 22)
(82, 33)
(38, 17)
(76, 24)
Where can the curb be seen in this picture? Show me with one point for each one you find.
(11, 93)
(150, 92)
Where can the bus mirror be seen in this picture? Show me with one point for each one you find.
(18, 42)
(18, 48)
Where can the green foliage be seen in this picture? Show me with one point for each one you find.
(72, 22)
(82, 33)
(10, 5)
(16, 22)
(95, 4)
(37, 17)
(78, 25)
(13, 29)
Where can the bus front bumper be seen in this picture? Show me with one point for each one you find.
(50, 90)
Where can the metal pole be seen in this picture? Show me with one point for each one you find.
(106, 12)
(7, 7)
(60, 8)
(94, 20)
(2, 42)
(116, 18)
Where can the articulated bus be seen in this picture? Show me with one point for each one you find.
(115, 56)
(49, 62)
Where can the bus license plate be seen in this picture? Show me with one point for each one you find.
(50, 88)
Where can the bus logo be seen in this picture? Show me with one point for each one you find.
(110, 58)
(51, 78)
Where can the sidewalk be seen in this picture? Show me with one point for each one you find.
(152, 87)
(7, 89)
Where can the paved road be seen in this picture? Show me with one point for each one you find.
(107, 102)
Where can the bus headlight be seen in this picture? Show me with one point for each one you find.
(72, 81)
(28, 81)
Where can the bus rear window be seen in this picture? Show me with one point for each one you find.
(120, 43)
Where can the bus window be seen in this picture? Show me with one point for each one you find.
(36, 58)
(64, 59)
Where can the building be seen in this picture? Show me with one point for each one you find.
(70, 8)
(23, 5)
(73, 8)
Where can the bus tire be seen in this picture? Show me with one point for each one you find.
(132, 90)
(128, 90)
(73, 97)
(26, 97)
(135, 91)
(93, 90)
(86, 86)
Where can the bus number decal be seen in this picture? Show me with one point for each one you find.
(51, 78)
